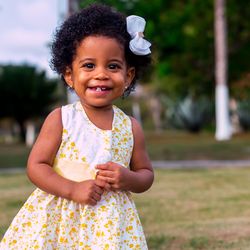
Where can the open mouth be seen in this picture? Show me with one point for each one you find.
(100, 89)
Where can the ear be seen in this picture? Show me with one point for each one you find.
(130, 75)
(68, 77)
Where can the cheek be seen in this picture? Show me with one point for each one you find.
(81, 80)
(82, 76)
(124, 79)
(123, 84)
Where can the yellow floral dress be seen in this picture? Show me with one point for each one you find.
(48, 222)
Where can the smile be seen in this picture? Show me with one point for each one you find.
(100, 89)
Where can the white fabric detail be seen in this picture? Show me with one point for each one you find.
(135, 27)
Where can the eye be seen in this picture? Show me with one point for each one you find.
(114, 66)
(88, 65)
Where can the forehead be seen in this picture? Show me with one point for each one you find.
(100, 45)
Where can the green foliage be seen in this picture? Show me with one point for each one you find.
(238, 38)
(25, 92)
(243, 111)
(178, 39)
(182, 34)
(190, 113)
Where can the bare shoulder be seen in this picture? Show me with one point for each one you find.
(54, 119)
(52, 126)
(140, 158)
(48, 140)
(137, 129)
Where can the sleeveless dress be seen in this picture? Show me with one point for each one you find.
(47, 222)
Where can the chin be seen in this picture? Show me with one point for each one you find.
(101, 105)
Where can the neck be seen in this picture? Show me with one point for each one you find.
(96, 109)
(102, 117)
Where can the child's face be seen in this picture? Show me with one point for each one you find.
(99, 73)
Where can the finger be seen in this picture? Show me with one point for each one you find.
(117, 187)
(112, 188)
(96, 174)
(92, 202)
(106, 179)
(107, 166)
(106, 173)
(100, 182)
(96, 196)
(102, 185)
(99, 190)
(108, 187)
(101, 166)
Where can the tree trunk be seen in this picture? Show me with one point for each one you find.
(223, 127)
(30, 134)
(136, 111)
(73, 7)
(21, 125)
(156, 109)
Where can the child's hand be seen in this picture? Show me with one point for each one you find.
(116, 175)
(88, 192)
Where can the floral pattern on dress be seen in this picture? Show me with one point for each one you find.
(48, 222)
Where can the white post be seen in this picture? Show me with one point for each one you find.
(30, 134)
(223, 127)
(136, 110)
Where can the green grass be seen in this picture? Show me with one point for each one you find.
(177, 145)
(13, 155)
(184, 209)
(170, 145)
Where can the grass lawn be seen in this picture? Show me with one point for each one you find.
(13, 155)
(177, 145)
(170, 145)
(184, 209)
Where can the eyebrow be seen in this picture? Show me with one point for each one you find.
(116, 60)
(86, 59)
(93, 59)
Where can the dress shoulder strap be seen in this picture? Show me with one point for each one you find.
(66, 112)
(122, 119)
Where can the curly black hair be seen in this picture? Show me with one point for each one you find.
(96, 19)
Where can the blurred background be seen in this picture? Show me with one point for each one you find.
(177, 95)
(194, 104)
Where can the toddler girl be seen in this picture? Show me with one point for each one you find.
(89, 155)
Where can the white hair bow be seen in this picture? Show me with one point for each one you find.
(135, 27)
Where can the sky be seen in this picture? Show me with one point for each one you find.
(27, 27)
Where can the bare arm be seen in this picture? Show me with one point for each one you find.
(142, 175)
(40, 161)
(41, 173)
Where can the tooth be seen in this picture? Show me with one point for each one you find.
(98, 89)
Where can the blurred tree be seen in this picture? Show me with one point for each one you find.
(182, 34)
(223, 126)
(25, 93)
(239, 48)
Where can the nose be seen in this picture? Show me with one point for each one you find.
(101, 74)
